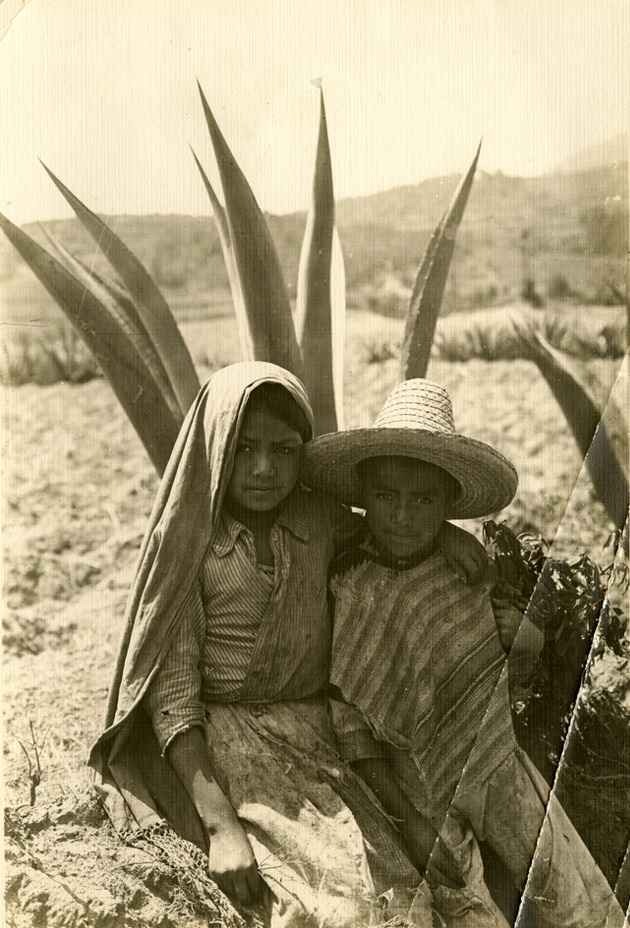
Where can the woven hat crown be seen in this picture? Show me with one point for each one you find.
(417, 404)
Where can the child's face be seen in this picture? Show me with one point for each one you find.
(266, 462)
(405, 503)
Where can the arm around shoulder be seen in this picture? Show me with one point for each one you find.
(463, 553)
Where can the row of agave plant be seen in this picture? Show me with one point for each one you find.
(130, 329)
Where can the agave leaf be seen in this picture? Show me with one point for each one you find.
(122, 309)
(600, 432)
(314, 315)
(338, 322)
(428, 289)
(114, 288)
(607, 458)
(218, 212)
(151, 305)
(261, 282)
(91, 277)
(244, 333)
(117, 292)
(110, 344)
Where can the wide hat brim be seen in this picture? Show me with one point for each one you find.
(488, 481)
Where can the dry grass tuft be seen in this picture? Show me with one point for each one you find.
(46, 357)
(490, 336)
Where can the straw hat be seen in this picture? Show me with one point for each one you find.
(415, 422)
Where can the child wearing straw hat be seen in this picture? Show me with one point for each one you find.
(418, 674)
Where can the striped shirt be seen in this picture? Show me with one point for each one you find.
(249, 633)
(416, 651)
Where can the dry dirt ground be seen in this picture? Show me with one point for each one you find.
(77, 488)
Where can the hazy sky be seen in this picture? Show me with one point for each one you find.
(104, 92)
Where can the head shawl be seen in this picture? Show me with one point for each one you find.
(180, 528)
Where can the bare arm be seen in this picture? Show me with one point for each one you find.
(464, 554)
(177, 714)
(231, 860)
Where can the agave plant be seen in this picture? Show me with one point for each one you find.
(128, 326)
(428, 289)
(259, 293)
(132, 333)
(130, 329)
(599, 428)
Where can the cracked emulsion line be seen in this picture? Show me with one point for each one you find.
(624, 866)
(9, 11)
(582, 475)
(616, 384)
(625, 861)
(579, 700)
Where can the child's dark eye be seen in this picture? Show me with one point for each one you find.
(244, 448)
(384, 497)
(423, 500)
(287, 449)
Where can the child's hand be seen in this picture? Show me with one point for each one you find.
(428, 852)
(232, 865)
(508, 619)
(442, 868)
(463, 553)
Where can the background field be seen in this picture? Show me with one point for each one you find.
(77, 491)
(566, 231)
(78, 487)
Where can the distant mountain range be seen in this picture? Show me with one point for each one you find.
(568, 226)
(611, 151)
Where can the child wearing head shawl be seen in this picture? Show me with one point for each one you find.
(218, 730)
(419, 677)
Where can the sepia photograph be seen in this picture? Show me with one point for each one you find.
(314, 482)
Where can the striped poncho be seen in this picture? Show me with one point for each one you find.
(416, 650)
